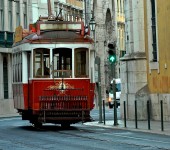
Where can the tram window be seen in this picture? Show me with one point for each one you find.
(20, 67)
(80, 63)
(17, 67)
(41, 63)
(62, 60)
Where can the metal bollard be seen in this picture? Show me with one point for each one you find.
(124, 103)
(148, 112)
(162, 122)
(136, 124)
(104, 112)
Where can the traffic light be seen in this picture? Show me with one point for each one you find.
(112, 52)
(111, 89)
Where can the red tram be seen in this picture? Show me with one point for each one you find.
(52, 73)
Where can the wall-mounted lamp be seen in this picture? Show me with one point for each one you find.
(92, 24)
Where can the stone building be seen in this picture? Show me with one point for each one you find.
(134, 64)
(110, 27)
(12, 14)
(144, 69)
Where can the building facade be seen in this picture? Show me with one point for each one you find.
(120, 28)
(69, 10)
(110, 28)
(144, 69)
(134, 65)
(158, 62)
(12, 14)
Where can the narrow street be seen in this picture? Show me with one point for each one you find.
(17, 134)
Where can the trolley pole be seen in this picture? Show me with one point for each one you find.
(97, 61)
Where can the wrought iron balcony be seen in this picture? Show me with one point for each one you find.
(6, 39)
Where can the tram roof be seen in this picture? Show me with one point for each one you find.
(47, 37)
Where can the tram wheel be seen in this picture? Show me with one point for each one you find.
(37, 125)
(65, 125)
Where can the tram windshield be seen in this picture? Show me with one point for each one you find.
(62, 63)
(62, 60)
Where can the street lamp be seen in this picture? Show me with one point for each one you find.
(92, 24)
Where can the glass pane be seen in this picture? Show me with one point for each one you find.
(62, 63)
(118, 87)
(41, 63)
(81, 63)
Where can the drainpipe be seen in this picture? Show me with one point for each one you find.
(127, 88)
(85, 21)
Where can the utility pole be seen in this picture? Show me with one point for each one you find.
(114, 93)
(97, 61)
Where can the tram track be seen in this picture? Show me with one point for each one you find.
(97, 138)
(50, 134)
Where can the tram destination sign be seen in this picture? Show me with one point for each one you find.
(63, 26)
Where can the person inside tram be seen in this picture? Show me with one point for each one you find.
(46, 71)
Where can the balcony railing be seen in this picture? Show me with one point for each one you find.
(6, 39)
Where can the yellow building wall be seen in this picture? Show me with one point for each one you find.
(121, 26)
(75, 3)
(160, 82)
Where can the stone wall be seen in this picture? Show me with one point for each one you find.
(156, 107)
(134, 82)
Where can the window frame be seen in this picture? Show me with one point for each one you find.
(86, 68)
(2, 15)
(41, 69)
(153, 64)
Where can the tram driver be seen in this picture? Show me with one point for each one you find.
(46, 71)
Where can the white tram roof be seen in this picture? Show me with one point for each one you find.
(48, 37)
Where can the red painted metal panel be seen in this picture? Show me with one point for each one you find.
(25, 95)
(62, 88)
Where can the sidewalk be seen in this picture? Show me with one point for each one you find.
(142, 126)
(9, 115)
